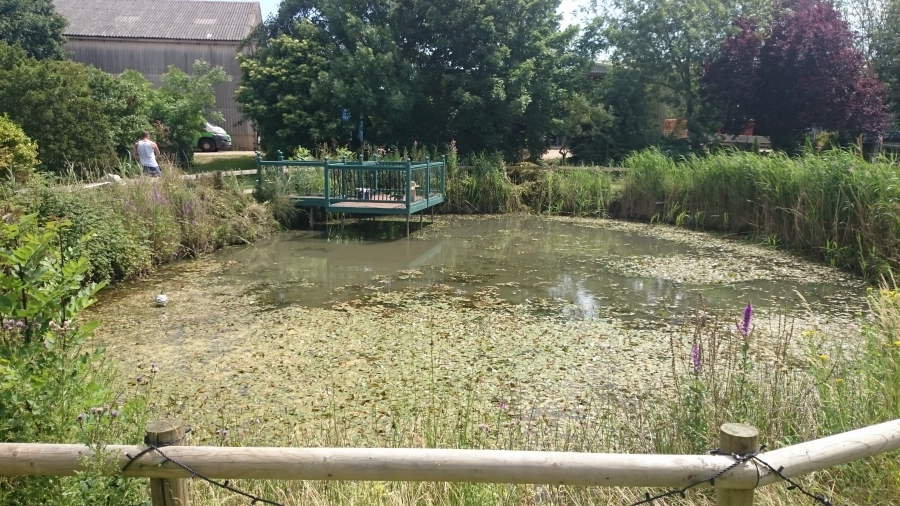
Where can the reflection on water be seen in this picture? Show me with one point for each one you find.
(522, 257)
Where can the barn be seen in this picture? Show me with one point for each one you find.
(148, 36)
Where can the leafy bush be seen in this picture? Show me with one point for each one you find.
(18, 153)
(125, 230)
(54, 389)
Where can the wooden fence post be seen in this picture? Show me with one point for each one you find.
(741, 439)
(167, 492)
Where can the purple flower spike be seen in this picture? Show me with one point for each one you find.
(744, 325)
(697, 358)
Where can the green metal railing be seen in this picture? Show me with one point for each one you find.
(363, 180)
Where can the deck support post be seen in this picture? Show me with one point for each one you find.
(740, 439)
(165, 491)
(407, 225)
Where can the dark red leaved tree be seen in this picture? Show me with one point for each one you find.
(803, 72)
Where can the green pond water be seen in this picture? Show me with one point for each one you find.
(624, 271)
(362, 331)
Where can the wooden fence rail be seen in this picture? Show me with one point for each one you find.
(484, 466)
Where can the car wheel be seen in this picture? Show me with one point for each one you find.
(207, 145)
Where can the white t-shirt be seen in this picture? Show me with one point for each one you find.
(146, 153)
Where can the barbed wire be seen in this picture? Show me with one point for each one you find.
(225, 485)
(648, 499)
(738, 460)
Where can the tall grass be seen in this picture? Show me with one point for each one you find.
(793, 384)
(833, 205)
(136, 226)
(482, 184)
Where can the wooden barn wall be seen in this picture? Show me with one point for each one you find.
(152, 57)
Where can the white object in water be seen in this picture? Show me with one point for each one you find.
(161, 300)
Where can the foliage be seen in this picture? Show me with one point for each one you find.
(54, 389)
(182, 105)
(78, 115)
(884, 49)
(18, 153)
(628, 122)
(281, 92)
(492, 76)
(585, 125)
(135, 227)
(35, 26)
(804, 71)
(833, 205)
(668, 41)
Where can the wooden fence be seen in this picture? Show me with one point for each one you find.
(735, 487)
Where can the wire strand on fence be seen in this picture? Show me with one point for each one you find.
(225, 485)
(739, 459)
(648, 499)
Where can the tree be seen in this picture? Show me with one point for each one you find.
(77, 114)
(182, 105)
(281, 91)
(884, 51)
(668, 41)
(491, 74)
(803, 72)
(35, 26)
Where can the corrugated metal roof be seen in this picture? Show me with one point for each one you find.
(160, 19)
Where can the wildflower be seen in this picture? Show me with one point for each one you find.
(744, 325)
(114, 413)
(139, 379)
(896, 343)
(697, 358)
(80, 417)
(153, 368)
(823, 357)
(839, 381)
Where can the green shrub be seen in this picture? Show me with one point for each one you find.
(18, 153)
(126, 230)
(53, 389)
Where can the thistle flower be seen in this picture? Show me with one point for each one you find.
(114, 413)
(744, 325)
(80, 417)
(697, 358)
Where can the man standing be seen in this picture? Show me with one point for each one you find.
(145, 152)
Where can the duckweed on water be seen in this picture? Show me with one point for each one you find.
(374, 358)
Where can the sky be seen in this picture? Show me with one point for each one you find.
(566, 8)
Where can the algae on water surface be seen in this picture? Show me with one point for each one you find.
(504, 318)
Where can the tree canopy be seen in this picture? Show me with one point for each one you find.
(81, 116)
(34, 25)
(802, 72)
(668, 41)
(490, 74)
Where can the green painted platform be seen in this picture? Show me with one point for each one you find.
(372, 187)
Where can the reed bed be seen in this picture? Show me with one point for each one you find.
(834, 205)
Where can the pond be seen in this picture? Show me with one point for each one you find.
(363, 329)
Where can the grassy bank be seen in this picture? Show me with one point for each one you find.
(148, 222)
(834, 205)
